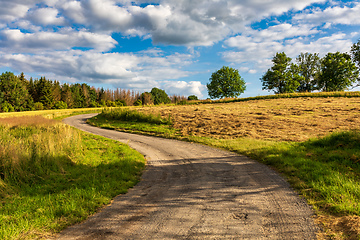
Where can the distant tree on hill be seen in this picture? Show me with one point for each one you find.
(226, 82)
(283, 76)
(192, 97)
(338, 72)
(159, 96)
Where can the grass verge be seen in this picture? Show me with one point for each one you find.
(324, 170)
(132, 121)
(52, 176)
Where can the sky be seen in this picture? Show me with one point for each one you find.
(173, 45)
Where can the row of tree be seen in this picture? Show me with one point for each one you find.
(19, 94)
(334, 72)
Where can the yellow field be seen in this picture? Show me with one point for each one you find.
(294, 119)
(48, 113)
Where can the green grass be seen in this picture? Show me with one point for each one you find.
(132, 121)
(54, 176)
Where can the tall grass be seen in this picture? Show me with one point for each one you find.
(125, 114)
(52, 175)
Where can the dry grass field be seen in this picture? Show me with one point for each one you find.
(294, 119)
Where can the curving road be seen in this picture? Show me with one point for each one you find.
(191, 191)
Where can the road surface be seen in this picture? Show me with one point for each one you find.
(191, 191)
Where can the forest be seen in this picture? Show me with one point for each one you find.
(20, 94)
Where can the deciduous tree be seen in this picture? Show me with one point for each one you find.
(226, 82)
(283, 76)
(338, 72)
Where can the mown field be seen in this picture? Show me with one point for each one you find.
(313, 142)
(53, 176)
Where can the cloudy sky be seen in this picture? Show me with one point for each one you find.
(170, 44)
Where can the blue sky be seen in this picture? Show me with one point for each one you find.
(174, 45)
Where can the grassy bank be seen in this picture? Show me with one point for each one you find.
(52, 175)
(325, 169)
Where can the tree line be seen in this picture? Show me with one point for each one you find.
(20, 94)
(334, 72)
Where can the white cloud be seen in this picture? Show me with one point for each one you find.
(126, 70)
(256, 49)
(46, 16)
(11, 10)
(332, 15)
(16, 41)
(176, 22)
(184, 88)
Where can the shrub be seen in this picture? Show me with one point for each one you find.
(159, 96)
(6, 107)
(138, 102)
(38, 106)
(60, 105)
(192, 97)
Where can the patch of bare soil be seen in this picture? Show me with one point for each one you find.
(346, 227)
(296, 119)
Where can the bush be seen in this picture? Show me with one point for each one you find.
(192, 97)
(60, 105)
(38, 106)
(138, 103)
(120, 103)
(6, 107)
(159, 96)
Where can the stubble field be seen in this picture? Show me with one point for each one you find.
(296, 119)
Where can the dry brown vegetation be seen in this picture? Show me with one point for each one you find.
(294, 119)
(27, 121)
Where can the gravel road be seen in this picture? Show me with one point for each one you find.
(191, 191)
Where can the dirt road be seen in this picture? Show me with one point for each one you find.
(190, 191)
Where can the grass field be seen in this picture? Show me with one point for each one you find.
(313, 142)
(52, 175)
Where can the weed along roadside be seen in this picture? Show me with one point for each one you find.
(53, 176)
(312, 142)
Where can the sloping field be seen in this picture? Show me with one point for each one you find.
(295, 119)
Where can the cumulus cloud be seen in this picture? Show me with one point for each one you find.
(17, 41)
(46, 16)
(11, 10)
(139, 71)
(332, 15)
(184, 88)
(176, 22)
(256, 48)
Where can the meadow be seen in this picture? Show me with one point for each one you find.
(314, 142)
(53, 176)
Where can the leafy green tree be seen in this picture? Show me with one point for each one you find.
(14, 92)
(226, 82)
(355, 52)
(192, 97)
(282, 77)
(309, 67)
(338, 72)
(159, 96)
